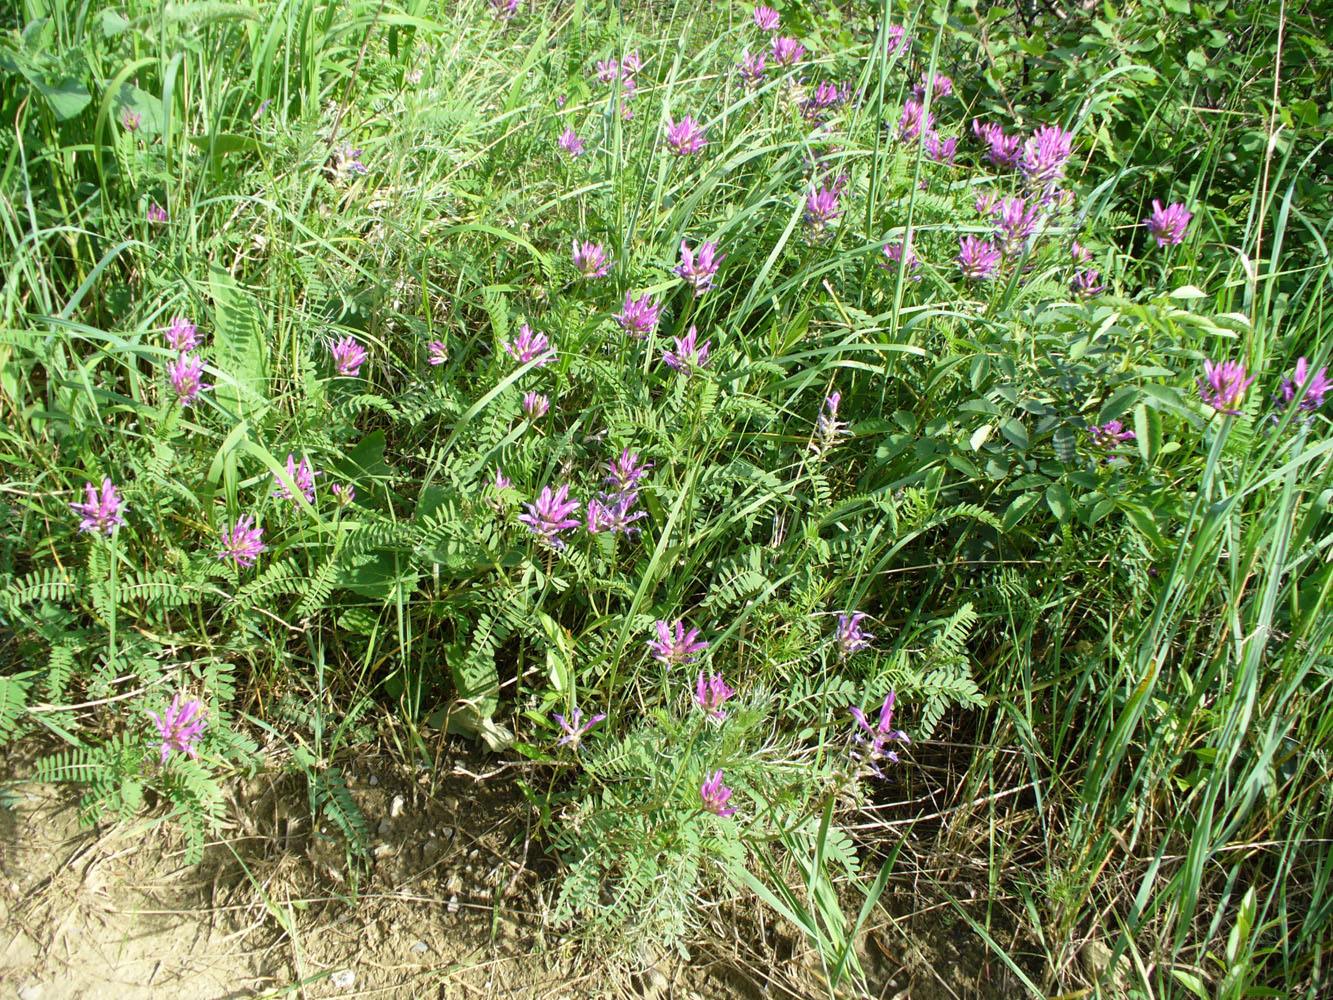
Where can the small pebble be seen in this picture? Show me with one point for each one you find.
(419, 948)
(452, 905)
(31, 991)
(396, 807)
(374, 780)
(344, 979)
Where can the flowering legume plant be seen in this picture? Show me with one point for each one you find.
(723, 409)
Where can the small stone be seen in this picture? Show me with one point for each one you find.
(419, 948)
(452, 905)
(455, 883)
(396, 807)
(30, 991)
(374, 780)
(384, 827)
(343, 979)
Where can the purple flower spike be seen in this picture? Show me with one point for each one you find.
(828, 428)
(714, 795)
(939, 86)
(157, 215)
(978, 259)
(686, 136)
(1015, 222)
(701, 271)
(711, 693)
(1086, 284)
(674, 645)
(752, 68)
(688, 355)
(614, 513)
(1306, 390)
(638, 317)
(1110, 434)
(766, 19)
(1045, 154)
(787, 51)
(1168, 225)
(551, 514)
(851, 638)
(915, 120)
(130, 120)
(574, 728)
(590, 260)
(1223, 386)
(821, 208)
(344, 494)
(626, 471)
(101, 511)
(941, 150)
(872, 739)
(504, 10)
(1003, 150)
(242, 543)
(896, 39)
(827, 95)
(1079, 254)
(302, 474)
(182, 335)
(893, 257)
(187, 378)
(181, 726)
(571, 143)
(437, 352)
(348, 357)
(350, 161)
(530, 346)
(607, 70)
(535, 405)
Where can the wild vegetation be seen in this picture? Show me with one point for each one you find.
(729, 412)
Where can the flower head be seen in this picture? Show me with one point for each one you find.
(1167, 225)
(530, 346)
(550, 514)
(1015, 222)
(1002, 150)
(500, 481)
(1109, 434)
(344, 494)
(941, 150)
(914, 120)
(187, 378)
(101, 511)
(766, 18)
(675, 645)
(787, 51)
(590, 259)
(182, 335)
(348, 357)
(714, 795)
(1223, 386)
(828, 428)
(571, 143)
(711, 693)
(1045, 153)
(827, 95)
(437, 352)
(300, 473)
(701, 271)
(614, 513)
(504, 10)
(896, 39)
(686, 136)
(130, 120)
(349, 161)
(574, 728)
(242, 542)
(535, 405)
(938, 84)
(752, 68)
(821, 208)
(626, 470)
(1079, 254)
(851, 638)
(893, 258)
(1306, 390)
(157, 215)
(978, 259)
(181, 726)
(638, 317)
(688, 355)
(607, 70)
(873, 739)
(1087, 283)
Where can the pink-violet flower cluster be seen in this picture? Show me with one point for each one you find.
(675, 645)
(101, 511)
(180, 727)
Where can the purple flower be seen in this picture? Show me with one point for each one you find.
(766, 18)
(1085, 284)
(1306, 390)
(752, 68)
(181, 726)
(242, 542)
(1079, 254)
(437, 352)
(613, 512)
(985, 203)
(896, 38)
(1223, 386)
(700, 272)
(686, 136)
(1109, 434)
(939, 85)
(187, 378)
(1015, 222)
(787, 51)
(130, 120)
(915, 119)
(504, 9)
(571, 143)
(551, 514)
(349, 159)
(631, 63)
(873, 738)
(348, 357)
(302, 474)
(851, 638)
(821, 208)
(530, 346)
(893, 257)
(1004, 150)
(674, 645)
(590, 259)
(574, 728)
(1045, 154)
(826, 95)
(714, 795)
(688, 354)
(978, 259)
(182, 335)
(828, 428)
(941, 150)
(157, 215)
(638, 317)
(535, 405)
(607, 70)
(344, 494)
(1167, 225)
(100, 511)
(626, 471)
(711, 693)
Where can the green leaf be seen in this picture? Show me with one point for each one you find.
(1058, 499)
(1015, 433)
(240, 345)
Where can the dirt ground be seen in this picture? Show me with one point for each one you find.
(450, 905)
